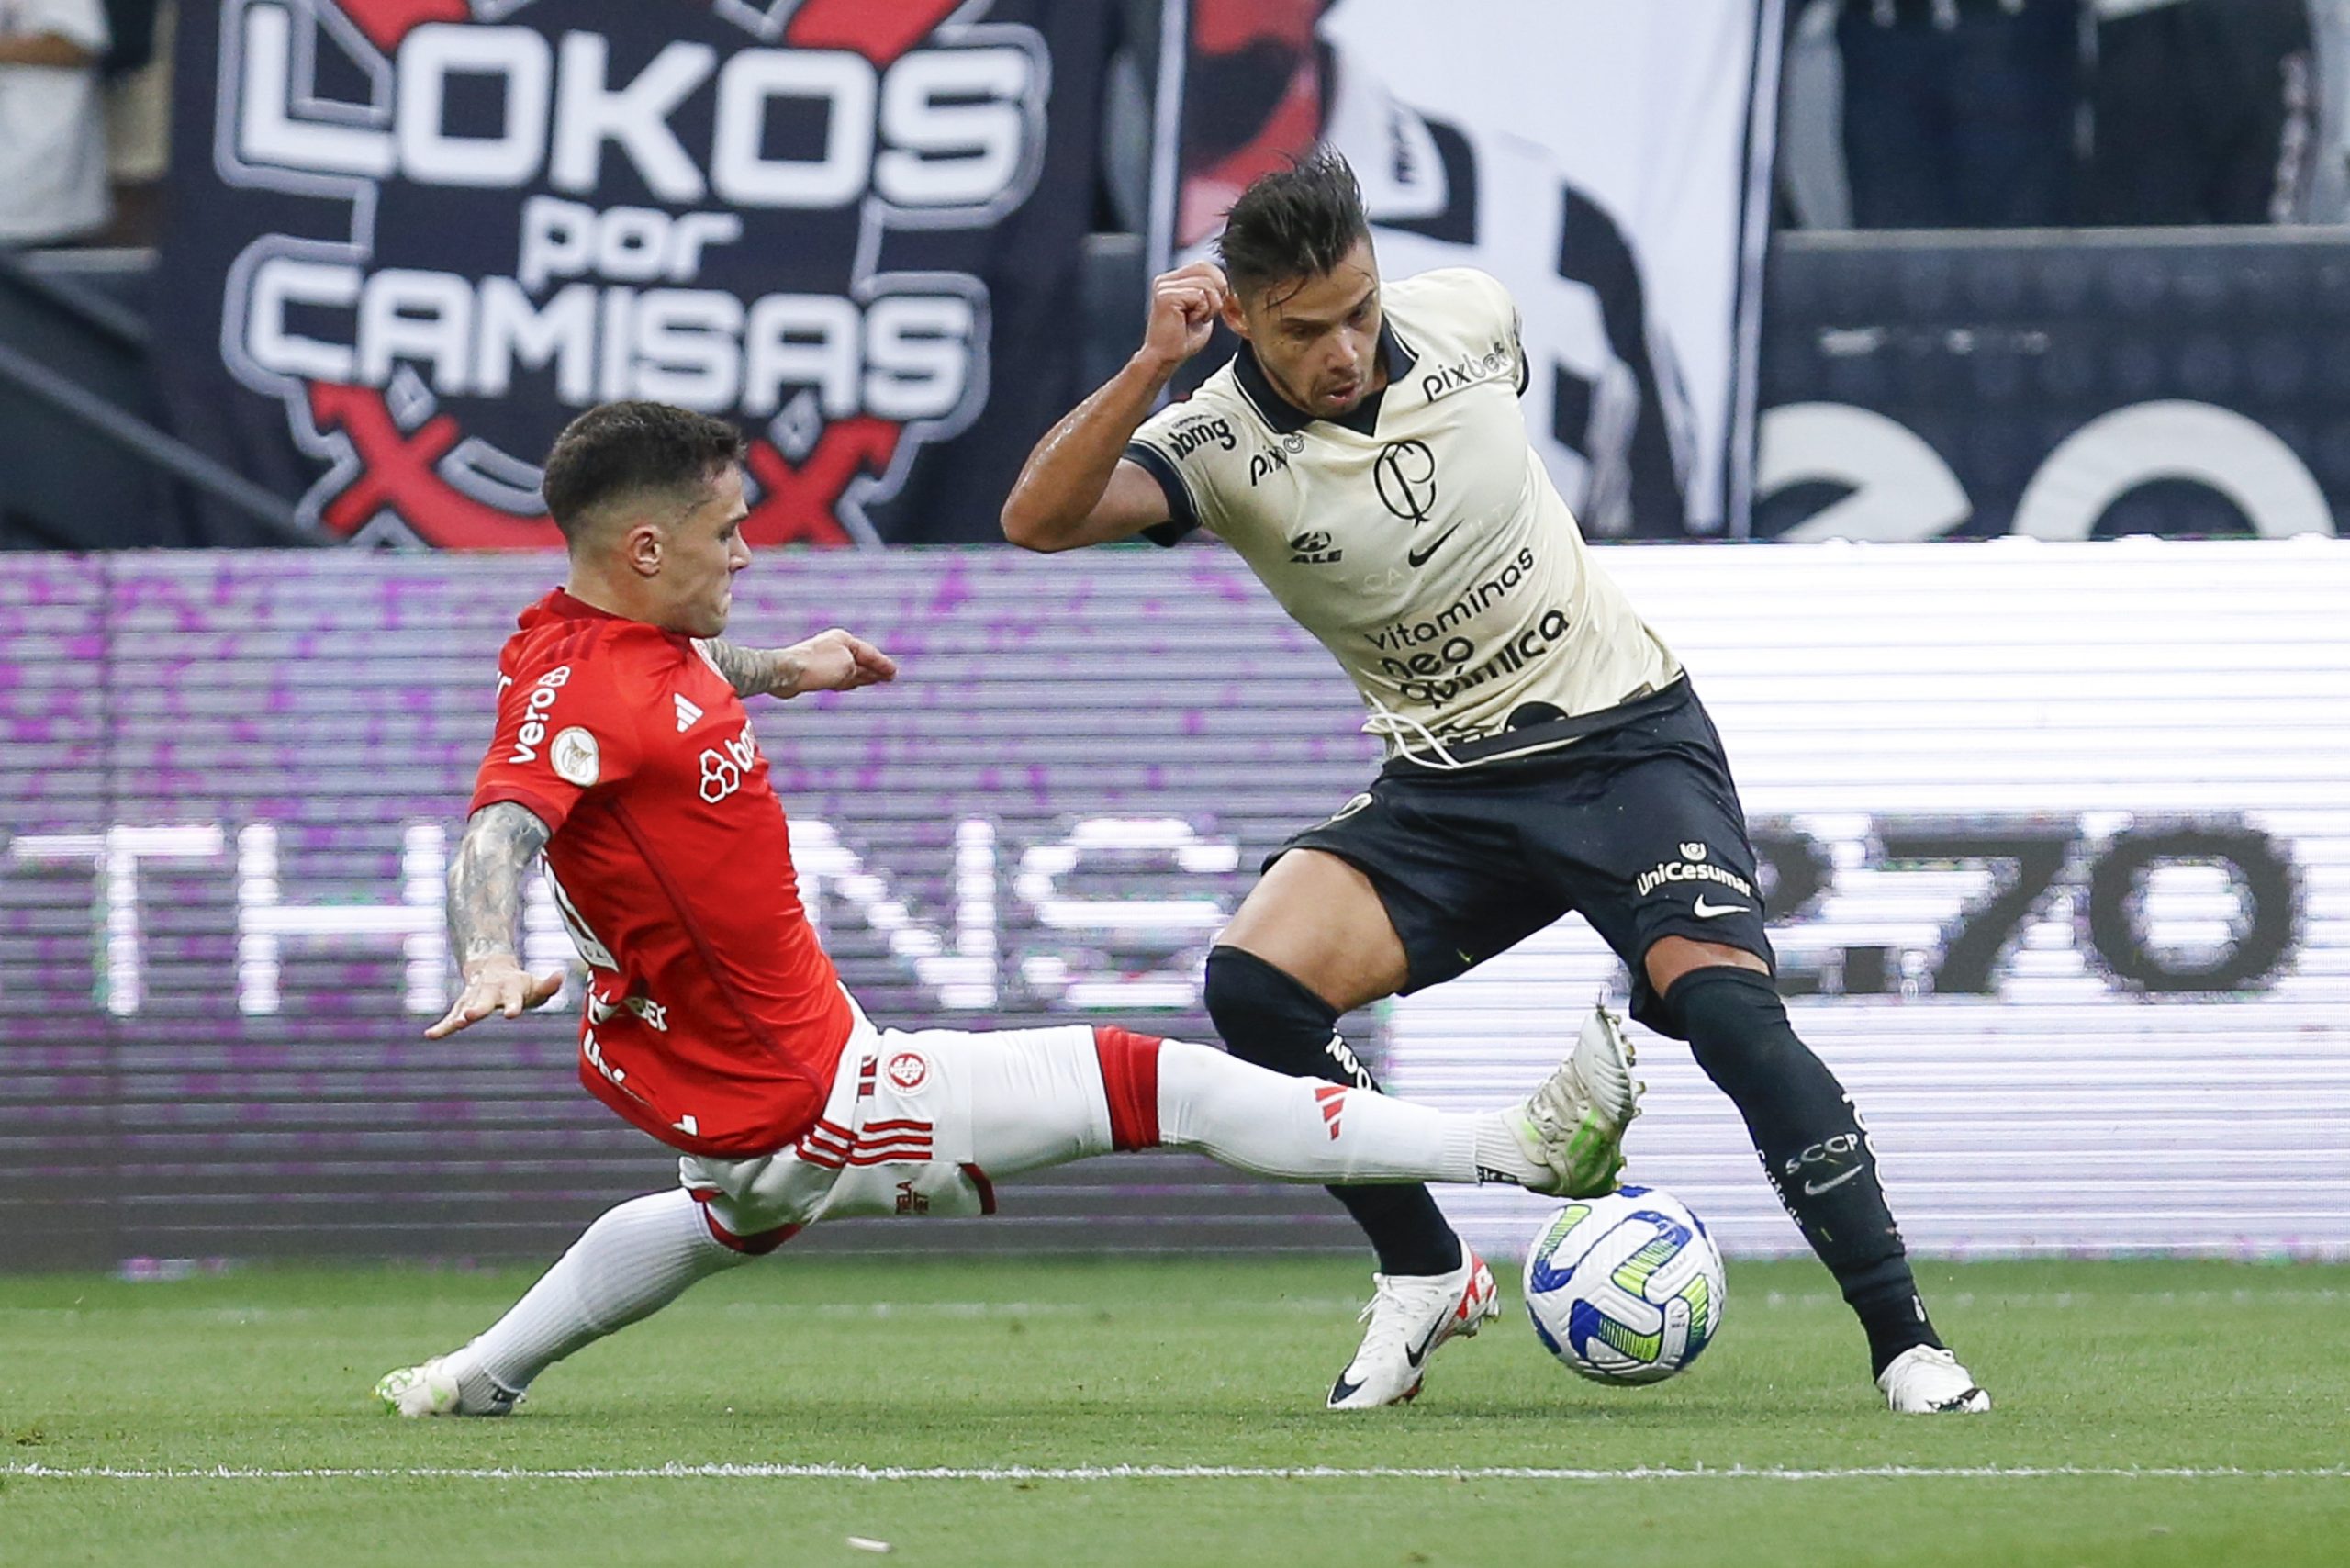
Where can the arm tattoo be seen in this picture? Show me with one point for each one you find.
(751, 670)
(486, 880)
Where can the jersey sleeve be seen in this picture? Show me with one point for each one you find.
(1509, 324)
(1186, 447)
(1183, 515)
(1484, 310)
(564, 727)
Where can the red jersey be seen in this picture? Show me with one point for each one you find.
(714, 1020)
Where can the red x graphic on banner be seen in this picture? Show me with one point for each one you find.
(396, 471)
(801, 503)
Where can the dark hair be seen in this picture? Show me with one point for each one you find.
(1297, 222)
(626, 449)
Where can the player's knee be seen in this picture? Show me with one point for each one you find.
(1726, 1011)
(1251, 995)
(1270, 1017)
(1263, 1013)
(1672, 958)
(1739, 1034)
(757, 1237)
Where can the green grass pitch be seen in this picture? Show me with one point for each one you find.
(2149, 1412)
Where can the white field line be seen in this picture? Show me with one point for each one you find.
(1167, 1472)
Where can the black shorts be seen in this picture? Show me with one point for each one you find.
(1637, 828)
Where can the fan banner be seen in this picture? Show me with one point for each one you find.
(1611, 165)
(412, 238)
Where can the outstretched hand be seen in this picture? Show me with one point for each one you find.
(496, 985)
(837, 661)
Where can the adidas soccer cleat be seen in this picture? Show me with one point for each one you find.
(1410, 1316)
(440, 1387)
(1573, 1126)
(1926, 1381)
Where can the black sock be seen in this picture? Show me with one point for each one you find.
(1268, 1018)
(1893, 1315)
(1813, 1146)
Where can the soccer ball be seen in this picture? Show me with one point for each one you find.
(1626, 1288)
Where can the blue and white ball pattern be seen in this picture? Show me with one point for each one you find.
(1626, 1288)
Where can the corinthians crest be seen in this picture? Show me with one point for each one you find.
(512, 210)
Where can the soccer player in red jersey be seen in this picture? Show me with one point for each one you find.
(713, 1019)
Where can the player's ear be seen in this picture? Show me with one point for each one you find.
(1232, 316)
(642, 548)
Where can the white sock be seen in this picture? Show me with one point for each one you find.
(1499, 1154)
(635, 1259)
(1300, 1130)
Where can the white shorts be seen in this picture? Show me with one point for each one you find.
(918, 1123)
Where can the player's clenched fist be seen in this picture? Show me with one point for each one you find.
(834, 661)
(496, 985)
(1184, 305)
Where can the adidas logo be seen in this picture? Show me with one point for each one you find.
(1333, 1098)
(687, 713)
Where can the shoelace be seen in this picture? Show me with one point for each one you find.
(1394, 1328)
(1542, 1108)
(1562, 1101)
(1388, 724)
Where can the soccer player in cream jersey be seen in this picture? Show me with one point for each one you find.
(1364, 452)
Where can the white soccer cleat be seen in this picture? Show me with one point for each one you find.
(440, 1387)
(1573, 1124)
(1926, 1381)
(1410, 1316)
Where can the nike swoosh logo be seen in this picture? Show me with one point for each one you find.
(1420, 557)
(1436, 1332)
(1813, 1189)
(1707, 911)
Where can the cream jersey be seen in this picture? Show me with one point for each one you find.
(1419, 538)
